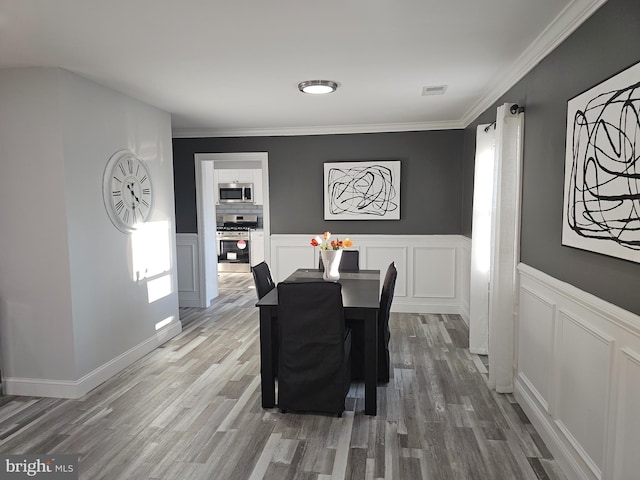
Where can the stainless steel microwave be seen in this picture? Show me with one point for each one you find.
(235, 192)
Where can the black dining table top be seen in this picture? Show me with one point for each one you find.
(360, 289)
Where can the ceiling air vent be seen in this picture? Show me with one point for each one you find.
(433, 90)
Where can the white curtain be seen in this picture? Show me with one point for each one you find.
(481, 240)
(505, 247)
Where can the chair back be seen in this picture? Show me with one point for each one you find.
(262, 279)
(349, 262)
(312, 364)
(386, 298)
(388, 288)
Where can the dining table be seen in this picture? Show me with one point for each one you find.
(361, 301)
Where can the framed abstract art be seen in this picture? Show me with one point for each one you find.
(368, 190)
(602, 168)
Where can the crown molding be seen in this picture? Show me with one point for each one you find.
(556, 32)
(317, 130)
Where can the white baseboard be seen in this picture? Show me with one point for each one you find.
(551, 439)
(40, 387)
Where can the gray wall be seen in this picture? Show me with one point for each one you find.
(431, 179)
(604, 45)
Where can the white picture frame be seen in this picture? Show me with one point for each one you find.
(602, 168)
(365, 190)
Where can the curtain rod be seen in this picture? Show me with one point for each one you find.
(515, 108)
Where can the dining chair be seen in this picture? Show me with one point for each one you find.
(262, 279)
(386, 298)
(357, 348)
(315, 348)
(264, 284)
(350, 261)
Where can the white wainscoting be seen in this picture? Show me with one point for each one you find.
(578, 377)
(433, 270)
(188, 274)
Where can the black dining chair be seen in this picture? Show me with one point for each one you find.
(357, 348)
(264, 284)
(315, 348)
(386, 298)
(349, 262)
(262, 279)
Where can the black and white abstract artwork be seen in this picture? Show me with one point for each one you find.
(362, 190)
(602, 168)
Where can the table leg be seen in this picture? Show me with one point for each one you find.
(266, 360)
(371, 362)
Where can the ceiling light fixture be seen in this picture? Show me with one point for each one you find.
(317, 87)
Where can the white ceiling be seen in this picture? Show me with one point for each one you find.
(232, 67)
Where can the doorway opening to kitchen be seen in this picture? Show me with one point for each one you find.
(213, 170)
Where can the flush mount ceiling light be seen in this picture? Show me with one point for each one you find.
(317, 87)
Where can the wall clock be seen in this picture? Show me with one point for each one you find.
(127, 190)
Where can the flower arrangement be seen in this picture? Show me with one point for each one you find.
(324, 243)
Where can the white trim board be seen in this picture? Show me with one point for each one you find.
(42, 387)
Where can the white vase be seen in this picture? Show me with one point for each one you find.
(331, 262)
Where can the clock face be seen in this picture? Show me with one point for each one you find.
(127, 190)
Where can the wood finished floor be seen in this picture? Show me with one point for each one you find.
(191, 410)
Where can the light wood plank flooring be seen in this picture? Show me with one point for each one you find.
(191, 410)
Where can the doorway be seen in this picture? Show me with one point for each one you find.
(206, 215)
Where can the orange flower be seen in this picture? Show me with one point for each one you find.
(324, 242)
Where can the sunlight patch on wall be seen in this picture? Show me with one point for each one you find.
(151, 258)
(151, 250)
(159, 288)
(164, 322)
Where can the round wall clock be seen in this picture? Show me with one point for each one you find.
(128, 191)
